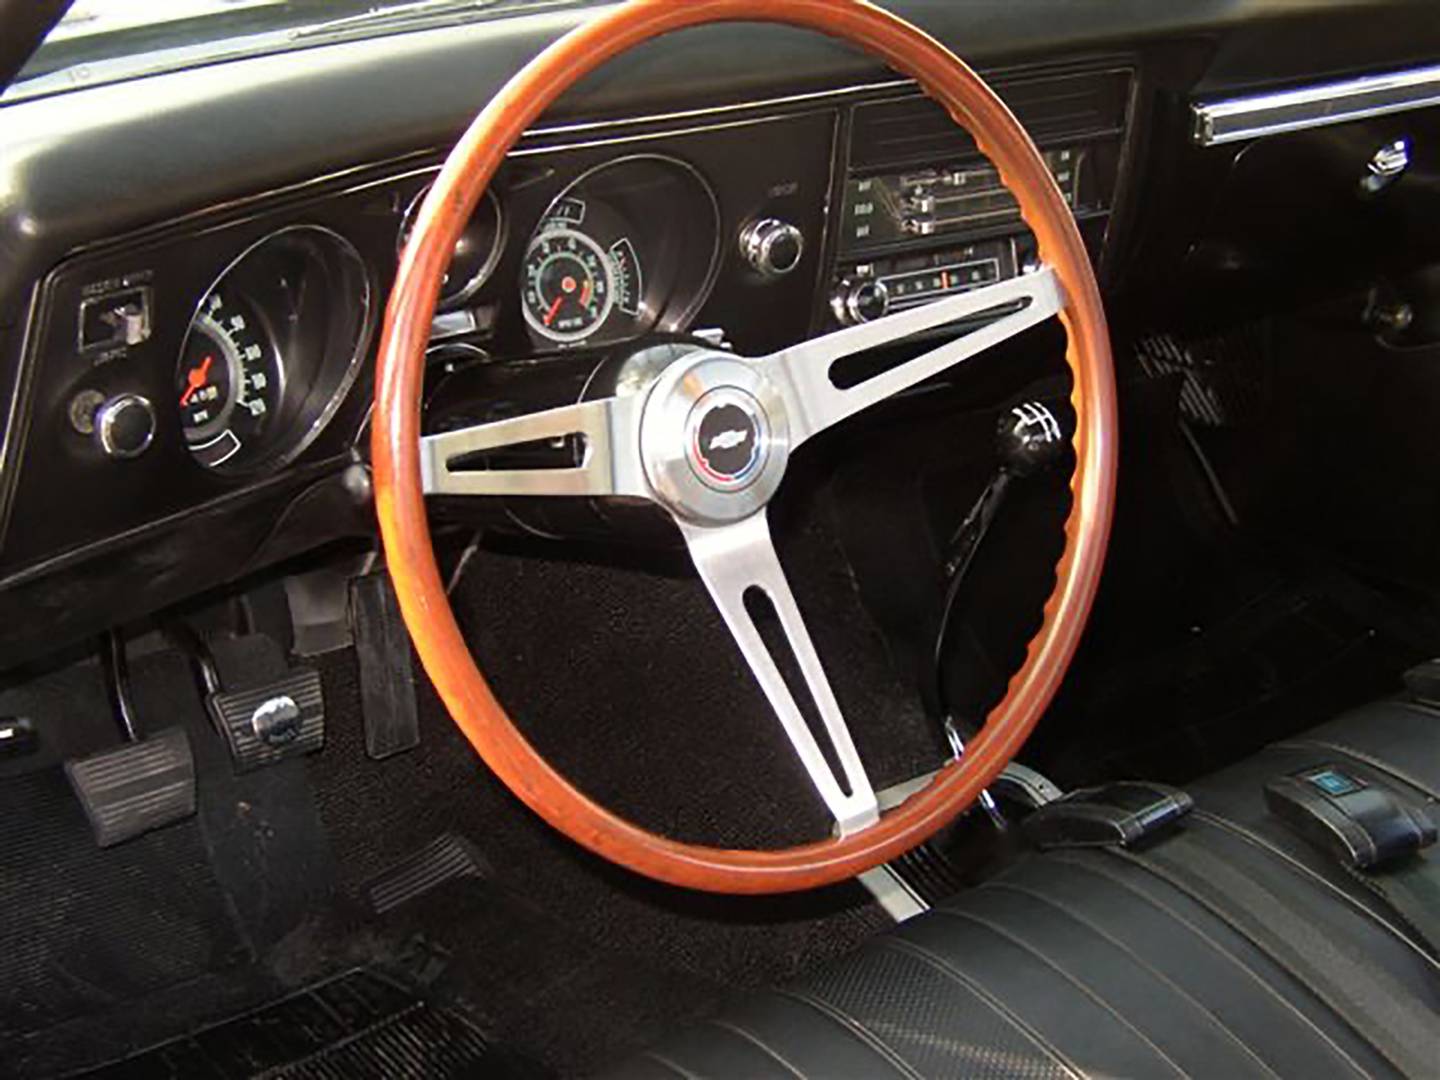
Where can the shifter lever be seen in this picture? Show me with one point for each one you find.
(1028, 441)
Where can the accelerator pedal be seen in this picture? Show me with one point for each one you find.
(135, 787)
(387, 675)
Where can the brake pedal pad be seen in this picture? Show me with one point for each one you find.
(274, 720)
(136, 787)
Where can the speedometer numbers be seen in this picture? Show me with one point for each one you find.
(569, 285)
(229, 382)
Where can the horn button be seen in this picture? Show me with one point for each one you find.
(714, 437)
(727, 438)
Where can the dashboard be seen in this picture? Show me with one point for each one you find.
(190, 377)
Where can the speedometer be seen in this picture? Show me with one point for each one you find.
(569, 285)
(230, 380)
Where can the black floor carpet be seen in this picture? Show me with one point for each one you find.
(1257, 652)
(108, 951)
(562, 960)
(87, 927)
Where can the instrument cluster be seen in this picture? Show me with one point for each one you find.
(630, 246)
(214, 361)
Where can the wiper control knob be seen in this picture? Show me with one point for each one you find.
(772, 247)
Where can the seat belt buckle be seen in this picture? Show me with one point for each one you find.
(1364, 825)
(1121, 814)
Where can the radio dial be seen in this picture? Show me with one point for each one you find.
(860, 301)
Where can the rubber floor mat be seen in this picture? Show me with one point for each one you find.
(354, 1026)
(87, 927)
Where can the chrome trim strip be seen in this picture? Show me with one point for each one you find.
(893, 893)
(721, 110)
(1235, 119)
(524, 151)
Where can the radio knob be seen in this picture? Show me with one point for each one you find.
(860, 301)
(773, 247)
(125, 426)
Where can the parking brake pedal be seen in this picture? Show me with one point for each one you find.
(138, 786)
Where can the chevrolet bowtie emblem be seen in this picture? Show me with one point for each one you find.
(728, 440)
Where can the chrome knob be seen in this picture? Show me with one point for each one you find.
(1385, 166)
(772, 247)
(860, 301)
(125, 426)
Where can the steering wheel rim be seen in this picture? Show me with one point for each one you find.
(400, 491)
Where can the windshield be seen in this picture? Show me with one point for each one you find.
(105, 40)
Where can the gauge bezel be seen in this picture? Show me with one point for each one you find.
(548, 232)
(449, 301)
(280, 450)
(679, 319)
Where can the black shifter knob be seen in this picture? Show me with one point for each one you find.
(1030, 438)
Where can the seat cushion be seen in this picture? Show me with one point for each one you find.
(1229, 948)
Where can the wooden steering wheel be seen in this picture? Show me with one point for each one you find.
(709, 439)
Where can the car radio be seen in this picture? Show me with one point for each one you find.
(888, 284)
(924, 215)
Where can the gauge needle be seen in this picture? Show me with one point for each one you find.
(196, 378)
(554, 309)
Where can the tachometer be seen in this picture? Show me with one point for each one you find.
(569, 286)
(230, 380)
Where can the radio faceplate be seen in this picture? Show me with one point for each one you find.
(893, 283)
(924, 215)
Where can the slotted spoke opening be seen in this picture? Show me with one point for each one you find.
(766, 620)
(857, 368)
(562, 452)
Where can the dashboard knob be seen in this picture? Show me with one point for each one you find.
(773, 247)
(125, 426)
(860, 301)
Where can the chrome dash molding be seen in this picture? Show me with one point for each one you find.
(1234, 119)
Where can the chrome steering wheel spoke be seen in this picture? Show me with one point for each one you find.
(609, 454)
(805, 372)
(733, 560)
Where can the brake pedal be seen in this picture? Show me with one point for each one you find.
(135, 787)
(263, 707)
(274, 720)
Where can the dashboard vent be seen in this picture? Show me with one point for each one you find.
(917, 131)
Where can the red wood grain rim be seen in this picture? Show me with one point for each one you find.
(400, 502)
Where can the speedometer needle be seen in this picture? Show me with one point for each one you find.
(195, 379)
